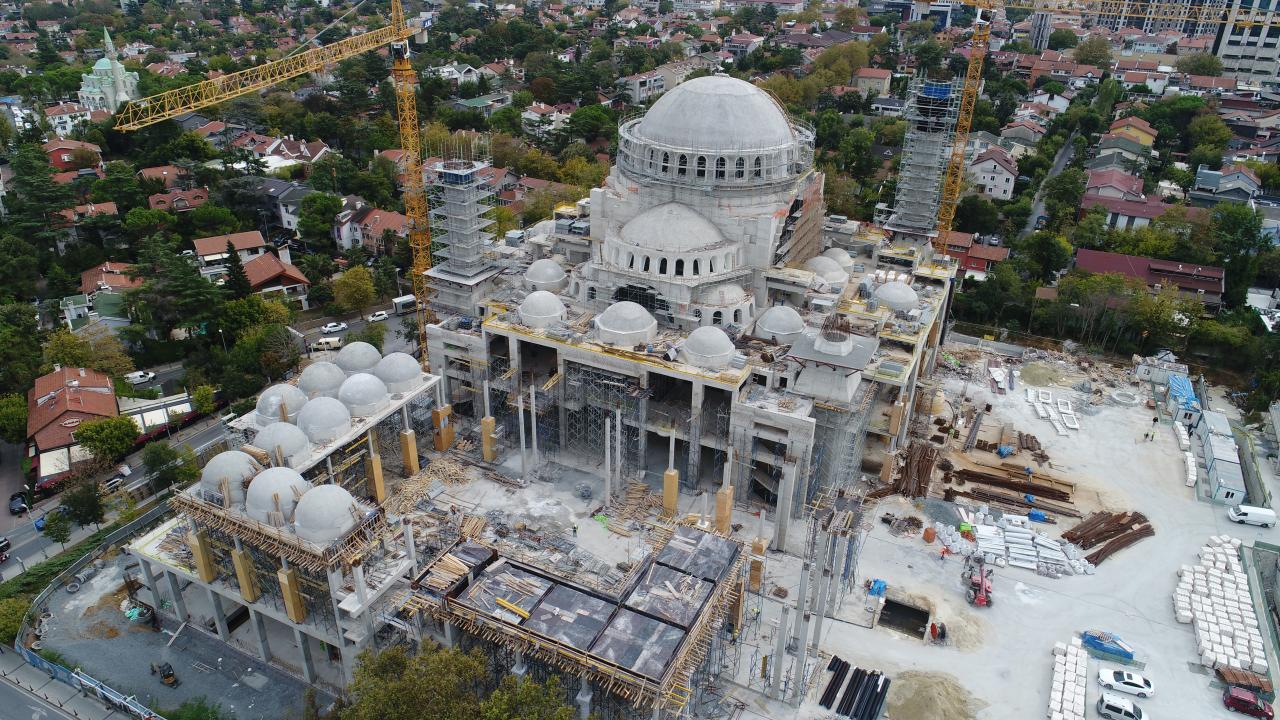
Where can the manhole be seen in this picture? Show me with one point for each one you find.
(906, 619)
(1127, 398)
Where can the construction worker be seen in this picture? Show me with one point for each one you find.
(575, 529)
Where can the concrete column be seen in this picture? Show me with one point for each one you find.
(362, 592)
(819, 610)
(260, 634)
(695, 436)
(450, 634)
(409, 548)
(304, 649)
(819, 555)
(779, 655)
(619, 460)
(802, 659)
(533, 422)
(802, 594)
(335, 585)
(149, 577)
(782, 518)
(584, 700)
(608, 467)
(408, 445)
(837, 576)
(175, 589)
(671, 481)
(524, 468)
(219, 617)
(518, 668)
(642, 425)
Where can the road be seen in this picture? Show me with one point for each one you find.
(20, 704)
(1059, 164)
(391, 342)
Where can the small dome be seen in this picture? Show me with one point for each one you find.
(275, 489)
(541, 309)
(671, 228)
(235, 468)
(781, 322)
(399, 372)
(897, 295)
(324, 419)
(626, 323)
(321, 379)
(363, 394)
(279, 403)
(841, 256)
(104, 63)
(827, 269)
(717, 112)
(288, 441)
(358, 357)
(544, 273)
(324, 513)
(726, 295)
(708, 347)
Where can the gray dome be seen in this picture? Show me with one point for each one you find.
(235, 468)
(725, 295)
(671, 228)
(399, 372)
(358, 357)
(324, 514)
(271, 486)
(897, 295)
(708, 347)
(363, 394)
(781, 322)
(717, 112)
(279, 403)
(841, 256)
(540, 309)
(287, 439)
(827, 269)
(545, 270)
(626, 323)
(324, 419)
(321, 379)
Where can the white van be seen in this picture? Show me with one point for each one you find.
(1249, 515)
(327, 343)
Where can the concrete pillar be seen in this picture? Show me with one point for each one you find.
(219, 617)
(362, 592)
(409, 445)
(488, 443)
(724, 510)
(642, 424)
(820, 609)
(524, 467)
(584, 700)
(671, 482)
(783, 517)
(260, 634)
(533, 422)
(410, 548)
(518, 668)
(336, 582)
(304, 649)
(561, 410)
(802, 659)
(175, 589)
(149, 577)
(779, 655)
(695, 436)
(377, 484)
(450, 634)
(619, 460)
(802, 594)
(819, 555)
(837, 576)
(608, 467)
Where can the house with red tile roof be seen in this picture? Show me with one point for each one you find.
(57, 405)
(167, 174)
(976, 258)
(211, 252)
(271, 276)
(869, 81)
(1114, 183)
(61, 152)
(1203, 282)
(361, 224)
(178, 201)
(109, 276)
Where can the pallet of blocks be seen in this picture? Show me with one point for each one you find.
(1070, 677)
(1214, 596)
(1192, 473)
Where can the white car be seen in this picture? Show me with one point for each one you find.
(333, 327)
(378, 316)
(1113, 707)
(141, 377)
(1125, 682)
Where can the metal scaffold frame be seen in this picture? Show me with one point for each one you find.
(932, 111)
(591, 396)
(839, 441)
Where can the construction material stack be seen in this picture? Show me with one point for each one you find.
(1213, 595)
(1070, 673)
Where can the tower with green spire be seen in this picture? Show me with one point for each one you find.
(109, 85)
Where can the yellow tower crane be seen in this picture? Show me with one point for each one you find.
(174, 103)
(980, 41)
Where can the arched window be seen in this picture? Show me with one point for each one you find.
(682, 166)
(631, 261)
(702, 166)
(719, 168)
(591, 293)
(662, 266)
(755, 172)
(728, 262)
(651, 154)
(737, 317)
(646, 263)
(695, 267)
(666, 163)
(679, 267)
(717, 318)
(741, 166)
(711, 265)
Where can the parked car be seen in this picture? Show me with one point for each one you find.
(1114, 707)
(140, 377)
(327, 343)
(1246, 702)
(1125, 682)
(333, 327)
(44, 519)
(18, 503)
(378, 316)
(1042, 221)
(5, 544)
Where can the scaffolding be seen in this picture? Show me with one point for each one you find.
(590, 397)
(931, 113)
(839, 441)
(461, 202)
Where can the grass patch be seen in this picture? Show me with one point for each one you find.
(54, 657)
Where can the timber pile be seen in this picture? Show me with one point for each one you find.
(913, 481)
(1113, 531)
(440, 472)
(444, 573)
(473, 526)
(1021, 485)
(637, 503)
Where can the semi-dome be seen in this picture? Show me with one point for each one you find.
(545, 274)
(726, 294)
(625, 324)
(364, 394)
(707, 347)
(283, 440)
(324, 513)
(358, 357)
(279, 403)
(841, 256)
(897, 295)
(227, 472)
(324, 419)
(321, 379)
(540, 309)
(671, 228)
(274, 490)
(827, 269)
(717, 112)
(780, 322)
(399, 372)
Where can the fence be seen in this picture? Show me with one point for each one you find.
(75, 678)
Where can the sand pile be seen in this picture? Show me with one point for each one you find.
(1041, 374)
(930, 696)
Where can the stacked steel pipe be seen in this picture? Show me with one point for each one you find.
(863, 698)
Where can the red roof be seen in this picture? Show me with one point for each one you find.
(874, 73)
(79, 212)
(1184, 276)
(1135, 122)
(178, 199)
(1149, 209)
(217, 244)
(69, 145)
(1116, 178)
(169, 174)
(266, 268)
(989, 252)
(112, 275)
(63, 399)
(999, 156)
(955, 238)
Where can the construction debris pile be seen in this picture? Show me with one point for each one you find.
(1213, 595)
(913, 479)
(426, 485)
(1070, 678)
(1117, 530)
(864, 696)
(1011, 541)
(1013, 488)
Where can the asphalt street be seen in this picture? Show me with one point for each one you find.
(1059, 164)
(391, 342)
(21, 705)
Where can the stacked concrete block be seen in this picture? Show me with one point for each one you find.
(1184, 439)
(1070, 678)
(1014, 541)
(1190, 459)
(1213, 595)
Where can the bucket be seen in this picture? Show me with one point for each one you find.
(930, 534)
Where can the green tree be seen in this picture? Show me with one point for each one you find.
(237, 282)
(95, 347)
(203, 399)
(19, 268)
(108, 439)
(34, 216)
(141, 222)
(199, 708)
(1043, 254)
(315, 218)
(976, 214)
(1062, 193)
(173, 294)
(526, 699)
(389, 685)
(373, 333)
(353, 290)
(1062, 39)
(1210, 130)
(854, 155)
(12, 611)
(19, 347)
(13, 418)
(167, 466)
(57, 527)
(591, 122)
(83, 502)
(506, 120)
(1095, 50)
(209, 220)
(1237, 234)
(1200, 63)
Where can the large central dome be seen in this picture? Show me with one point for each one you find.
(717, 112)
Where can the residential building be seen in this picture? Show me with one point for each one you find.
(270, 275)
(178, 201)
(1124, 146)
(169, 175)
(1125, 214)
(1114, 183)
(485, 104)
(1202, 282)
(976, 258)
(994, 173)
(978, 142)
(57, 404)
(361, 224)
(108, 85)
(456, 73)
(642, 87)
(1025, 132)
(1136, 129)
(888, 106)
(65, 117)
(281, 202)
(108, 277)
(211, 252)
(281, 152)
(540, 119)
(872, 81)
(743, 44)
(61, 153)
(1233, 183)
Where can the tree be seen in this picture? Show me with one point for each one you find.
(373, 333)
(1237, 233)
(173, 294)
(353, 290)
(390, 685)
(1094, 51)
(237, 282)
(854, 154)
(1043, 254)
(19, 347)
(1208, 130)
(1200, 63)
(13, 418)
(526, 699)
(209, 220)
(12, 612)
(57, 527)
(83, 502)
(315, 218)
(19, 268)
(96, 347)
(1062, 193)
(108, 439)
(203, 400)
(506, 120)
(168, 466)
(1062, 39)
(976, 215)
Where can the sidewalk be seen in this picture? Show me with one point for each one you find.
(26, 678)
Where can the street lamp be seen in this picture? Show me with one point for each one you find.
(223, 337)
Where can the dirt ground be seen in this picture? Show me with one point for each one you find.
(915, 695)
